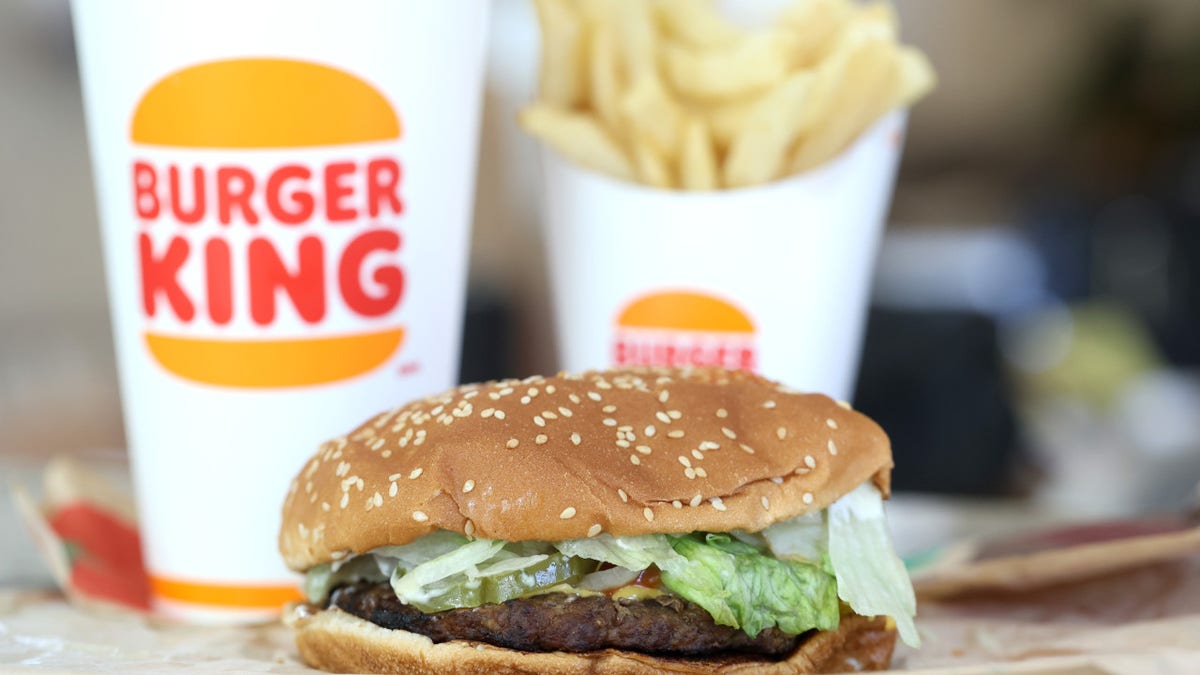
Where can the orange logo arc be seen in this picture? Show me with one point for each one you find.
(274, 363)
(262, 103)
(685, 310)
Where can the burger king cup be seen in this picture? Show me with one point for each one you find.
(284, 191)
(772, 279)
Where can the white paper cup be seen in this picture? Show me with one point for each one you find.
(319, 278)
(772, 279)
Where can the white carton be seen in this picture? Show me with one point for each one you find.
(772, 279)
(285, 191)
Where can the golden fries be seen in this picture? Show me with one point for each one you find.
(672, 94)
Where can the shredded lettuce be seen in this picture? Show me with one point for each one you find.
(745, 589)
(870, 576)
(633, 553)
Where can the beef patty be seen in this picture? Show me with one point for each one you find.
(559, 622)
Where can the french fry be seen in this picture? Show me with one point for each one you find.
(749, 66)
(605, 77)
(651, 167)
(758, 152)
(637, 37)
(652, 116)
(697, 159)
(562, 81)
(917, 77)
(817, 25)
(725, 118)
(870, 89)
(579, 137)
(697, 23)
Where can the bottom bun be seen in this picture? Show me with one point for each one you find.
(337, 641)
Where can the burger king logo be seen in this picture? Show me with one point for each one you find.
(684, 328)
(268, 199)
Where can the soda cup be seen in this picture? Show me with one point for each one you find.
(771, 278)
(284, 191)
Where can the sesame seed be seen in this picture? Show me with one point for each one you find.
(807, 498)
(385, 454)
(644, 449)
(747, 449)
(468, 486)
(768, 405)
(696, 500)
(487, 412)
(494, 396)
(621, 493)
(728, 433)
(506, 391)
(663, 396)
(550, 389)
(378, 443)
(684, 460)
(709, 445)
(662, 417)
(622, 443)
(594, 530)
(610, 422)
(549, 415)
(532, 392)
(701, 472)
(766, 503)
(832, 447)
(778, 480)
(633, 459)
(574, 398)
(540, 439)
(610, 408)
(781, 433)
(345, 500)
(674, 414)
(469, 528)
(810, 462)
(325, 507)
(677, 433)
(393, 489)
(525, 400)
(649, 431)
(499, 414)
(593, 395)
(419, 516)
(690, 473)
(576, 438)
(676, 503)
(722, 413)
(377, 499)
(845, 405)
(565, 412)
(537, 419)
(648, 513)
(831, 424)
(697, 454)
(601, 384)
(512, 443)
(717, 503)
(568, 512)
(415, 473)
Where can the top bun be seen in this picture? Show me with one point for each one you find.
(627, 452)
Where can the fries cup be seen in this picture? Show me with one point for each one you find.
(772, 279)
(284, 192)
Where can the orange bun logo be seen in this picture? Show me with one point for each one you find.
(267, 194)
(683, 328)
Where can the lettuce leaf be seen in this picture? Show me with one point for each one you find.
(804, 538)
(870, 576)
(633, 553)
(741, 587)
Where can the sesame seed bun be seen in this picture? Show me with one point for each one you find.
(339, 642)
(627, 452)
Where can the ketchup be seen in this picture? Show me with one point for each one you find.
(648, 578)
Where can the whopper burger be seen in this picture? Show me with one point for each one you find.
(626, 521)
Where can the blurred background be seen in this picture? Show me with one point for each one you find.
(1035, 330)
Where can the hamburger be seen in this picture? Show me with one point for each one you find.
(623, 521)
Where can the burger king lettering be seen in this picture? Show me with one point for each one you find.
(287, 196)
(683, 328)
